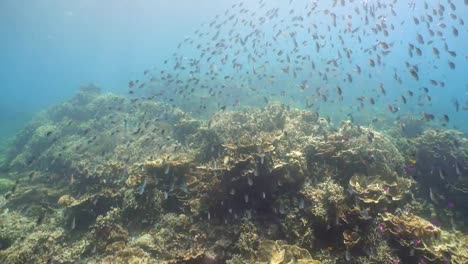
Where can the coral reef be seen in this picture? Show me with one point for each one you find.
(274, 252)
(6, 185)
(104, 179)
(323, 200)
(377, 190)
(428, 240)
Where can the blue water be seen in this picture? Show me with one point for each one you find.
(50, 48)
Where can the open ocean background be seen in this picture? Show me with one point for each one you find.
(49, 48)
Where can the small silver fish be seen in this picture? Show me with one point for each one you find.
(457, 168)
(365, 214)
(347, 255)
(73, 223)
(431, 195)
(249, 181)
(248, 214)
(441, 174)
(142, 187)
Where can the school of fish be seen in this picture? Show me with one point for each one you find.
(340, 55)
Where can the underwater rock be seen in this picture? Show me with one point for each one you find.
(86, 94)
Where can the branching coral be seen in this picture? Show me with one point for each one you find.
(324, 200)
(248, 238)
(298, 229)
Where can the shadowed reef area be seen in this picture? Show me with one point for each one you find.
(104, 179)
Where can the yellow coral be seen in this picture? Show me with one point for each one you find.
(419, 234)
(351, 238)
(374, 189)
(66, 200)
(273, 252)
(409, 227)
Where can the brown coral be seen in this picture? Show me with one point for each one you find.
(375, 189)
(275, 252)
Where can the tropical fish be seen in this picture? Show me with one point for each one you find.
(142, 187)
